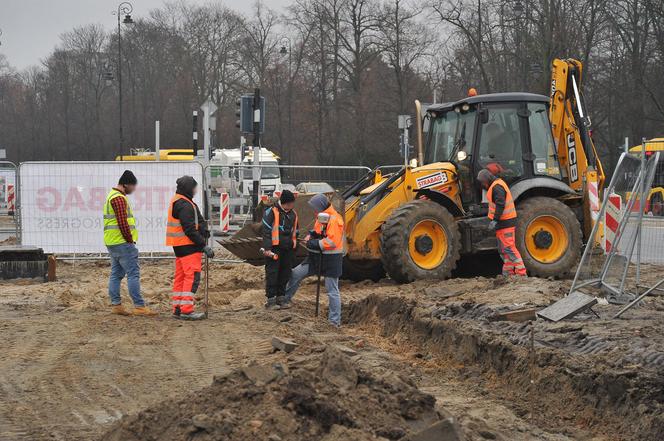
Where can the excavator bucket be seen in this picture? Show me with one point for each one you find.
(247, 242)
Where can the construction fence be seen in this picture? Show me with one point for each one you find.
(632, 246)
(9, 226)
(231, 187)
(58, 206)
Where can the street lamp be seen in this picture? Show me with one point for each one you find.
(124, 8)
(287, 50)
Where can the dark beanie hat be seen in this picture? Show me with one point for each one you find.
(128, 178)
(319, 202)
(286, 197)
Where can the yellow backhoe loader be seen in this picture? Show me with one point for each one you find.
(417, 222)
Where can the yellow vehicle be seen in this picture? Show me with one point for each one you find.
(655, 203)
(164, 155)
(417, 222)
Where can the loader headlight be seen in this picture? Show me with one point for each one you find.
(457, 109)
(465, 107)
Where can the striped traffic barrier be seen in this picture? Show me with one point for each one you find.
(225, 218)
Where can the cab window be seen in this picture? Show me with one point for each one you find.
(449, 132)
(545, 161)
(501, 147)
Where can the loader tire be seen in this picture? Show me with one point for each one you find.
(420, 240)
(548, 236)
(358, 270)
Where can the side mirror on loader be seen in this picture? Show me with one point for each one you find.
(484, 116)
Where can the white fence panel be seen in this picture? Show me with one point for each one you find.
(61, 202)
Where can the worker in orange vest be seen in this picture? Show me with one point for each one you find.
(502, 213)
(279, 245)
(187, 233)
(326, 245)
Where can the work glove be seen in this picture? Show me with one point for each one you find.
(208, 252)
(313, 244)
(492, 225)
(314, 235)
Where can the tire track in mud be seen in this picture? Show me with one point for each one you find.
(575, 388)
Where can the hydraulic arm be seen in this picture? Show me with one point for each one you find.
(571, 126)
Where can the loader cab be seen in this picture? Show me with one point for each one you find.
(507, 133)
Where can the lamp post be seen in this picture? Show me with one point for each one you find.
(287, 50)
(0, 36)
(124, 8)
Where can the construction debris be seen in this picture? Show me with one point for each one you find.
(568, 307)
(283, 344)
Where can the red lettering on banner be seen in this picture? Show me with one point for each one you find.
(49, 199)
(74, 199)
(97, 198)
(164, 194)
(140, 196)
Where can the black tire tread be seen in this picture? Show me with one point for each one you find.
(394, 243)
(537, 205)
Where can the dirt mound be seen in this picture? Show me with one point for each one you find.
(326, 396)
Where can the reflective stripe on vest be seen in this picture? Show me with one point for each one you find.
(275, 228)
(175, 235)
(112, 233)
(509, 212)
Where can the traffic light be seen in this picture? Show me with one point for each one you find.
(245, 112)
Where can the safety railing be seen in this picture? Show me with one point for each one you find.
(9, 207)
(633, 238)
(231, 187)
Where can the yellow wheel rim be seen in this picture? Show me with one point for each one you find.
(427, 244)
(546, 239)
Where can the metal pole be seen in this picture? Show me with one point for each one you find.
(257, 146)
(120, 82)
(157, 146)
(194, 141)
(290, 104)
(123, 8)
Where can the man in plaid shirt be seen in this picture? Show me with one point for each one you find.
(120, 236)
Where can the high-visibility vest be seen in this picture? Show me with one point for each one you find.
(333, 242)
(509, 212)
(112, 233)
(275, 228)
(175, 235)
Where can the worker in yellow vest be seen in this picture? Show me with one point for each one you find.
(120, 236)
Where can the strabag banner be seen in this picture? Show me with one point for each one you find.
(61, 203)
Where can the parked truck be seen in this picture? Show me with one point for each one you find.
(232, 174)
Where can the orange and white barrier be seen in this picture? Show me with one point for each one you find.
(225, 217)
(611, 220)
(11, 197)
(593, 200)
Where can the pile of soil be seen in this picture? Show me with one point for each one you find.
(325, 396)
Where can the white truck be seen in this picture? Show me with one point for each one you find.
(229, 173)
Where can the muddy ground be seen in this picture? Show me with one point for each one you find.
(71, 371)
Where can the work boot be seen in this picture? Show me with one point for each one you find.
(119, 310)
(271, 304)
(191, 316)
(144, 311)
(283, 302)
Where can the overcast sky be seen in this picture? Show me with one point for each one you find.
(31, 28)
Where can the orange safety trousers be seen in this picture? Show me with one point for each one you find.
(186, 281)
(512, 262)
